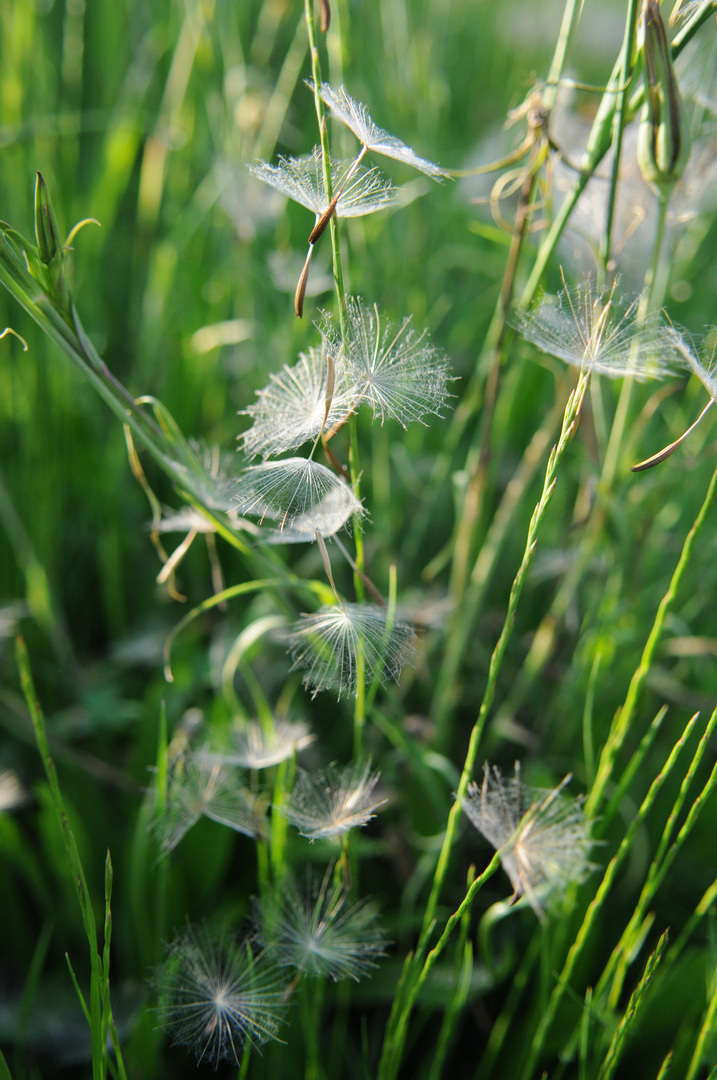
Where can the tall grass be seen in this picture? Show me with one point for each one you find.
(255, 683)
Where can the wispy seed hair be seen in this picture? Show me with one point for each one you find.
(543, 837)
(356, 117)
(339, 646)
(585, 327)
(332, 801)
(322, 933)
(217, 995)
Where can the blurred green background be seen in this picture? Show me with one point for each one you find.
(143, 115)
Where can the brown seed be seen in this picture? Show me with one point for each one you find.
(301, 287)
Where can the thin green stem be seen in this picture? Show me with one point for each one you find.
(595, 907)
(623, 720)
(647, 303)
(354, 459)
(626, 70)
(706, 1032)
(492, 357)
(598, 145)
(414, 970)
(100, 1014)
(570, 421)
(326, 159)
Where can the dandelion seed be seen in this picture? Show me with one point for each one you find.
(583, 327)
(12, 792)
(322, 935)
(338, 646)
(303, 181)
(216, 996)
(698, 356)
(356, 117)
(299, 494)
(201, 788)
(332, 801)
(254, 747)
(291, 410)
(214, 485)
(395, 369)
(10, 616)
(543, 838)
(187, 519)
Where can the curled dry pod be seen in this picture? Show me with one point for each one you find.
(663, 145)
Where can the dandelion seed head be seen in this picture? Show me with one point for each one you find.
(216, 996)
(300, 495)
(256, 747)
(341, 645)
(202, 788)
(584, 327)
(10, 616)
(12, 792)
(322, 934)
(303, 181)
(291, 409)
(332, 801)
(356, 117)
(542, 836)
(213, 483)
(698, 355)
(394, 368)
(185, 520)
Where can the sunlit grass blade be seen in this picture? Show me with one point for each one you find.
(622, 1030)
